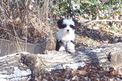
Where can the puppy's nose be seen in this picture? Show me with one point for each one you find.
(67, 30)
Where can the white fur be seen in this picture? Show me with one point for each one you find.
(62, 48)
(71, 47)
(64, 36)
(68, 22)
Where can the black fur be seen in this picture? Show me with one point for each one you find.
(72, 41)
(61, 26)
(58, 45)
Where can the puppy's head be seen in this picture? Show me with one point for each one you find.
(67, 25)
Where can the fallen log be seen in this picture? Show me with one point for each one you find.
(33, 65)
(11, 69)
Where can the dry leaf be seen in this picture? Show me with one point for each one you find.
(81, 72)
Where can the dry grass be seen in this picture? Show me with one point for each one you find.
(24, 21)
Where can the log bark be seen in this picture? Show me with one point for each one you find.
(105, 56)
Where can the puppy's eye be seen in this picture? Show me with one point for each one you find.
(72, 26)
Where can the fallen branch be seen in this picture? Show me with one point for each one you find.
(87, 21)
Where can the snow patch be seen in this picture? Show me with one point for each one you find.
(90, 51)
(17, 75)
(84, 52)
(103, 60)
(73, 66)
(97, 50)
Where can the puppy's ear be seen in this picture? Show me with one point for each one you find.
(59, 22)
(76, 22)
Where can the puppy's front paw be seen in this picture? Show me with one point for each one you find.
(62, 48)
(71, 51)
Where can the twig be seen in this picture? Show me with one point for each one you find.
(3, 9)
(87, 21)
(72, 8)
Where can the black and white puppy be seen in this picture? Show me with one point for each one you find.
(66, 35)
